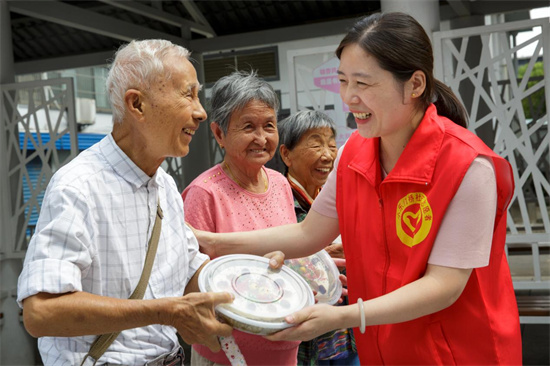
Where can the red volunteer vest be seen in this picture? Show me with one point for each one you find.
(388, 228)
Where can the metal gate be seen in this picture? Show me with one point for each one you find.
(37, 137)
(508, 107)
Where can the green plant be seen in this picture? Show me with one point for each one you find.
(535, 103)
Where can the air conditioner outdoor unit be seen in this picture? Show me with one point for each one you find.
(85, 111)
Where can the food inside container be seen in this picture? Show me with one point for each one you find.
(322, 275)
(263, 296)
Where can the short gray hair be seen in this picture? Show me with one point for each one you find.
(136, 65)
(233, 92)
(292, 128)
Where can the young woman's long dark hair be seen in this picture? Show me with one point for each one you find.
(401, 46)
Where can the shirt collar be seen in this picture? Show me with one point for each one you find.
(417, 161)
(123, 165)
(299, 187)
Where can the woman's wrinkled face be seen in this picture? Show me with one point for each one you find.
(252, 136)
(312, 159)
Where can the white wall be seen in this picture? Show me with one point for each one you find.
(283, 48)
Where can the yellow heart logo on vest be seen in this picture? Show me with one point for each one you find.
(413, 218)
(408, 218)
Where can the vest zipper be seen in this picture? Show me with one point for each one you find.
(387, 250)
(386, 263)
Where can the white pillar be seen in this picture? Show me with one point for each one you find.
(7, 74)
(426, 12)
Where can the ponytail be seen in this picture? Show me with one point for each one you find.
(448, 105)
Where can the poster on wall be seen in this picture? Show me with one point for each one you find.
(325, 77)
(314, 84)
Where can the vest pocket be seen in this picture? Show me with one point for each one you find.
(441, 346)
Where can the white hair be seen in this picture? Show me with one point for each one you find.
(233, 92)
(136, 65)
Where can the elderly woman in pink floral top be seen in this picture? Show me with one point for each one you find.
(241, 194)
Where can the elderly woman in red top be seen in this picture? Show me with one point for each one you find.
(420, 203)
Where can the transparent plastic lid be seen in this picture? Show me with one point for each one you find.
(262, 295)
(322, 275)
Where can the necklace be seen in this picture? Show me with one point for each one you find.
(237, 181)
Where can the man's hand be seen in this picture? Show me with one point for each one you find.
(194, 318)
(81, 313)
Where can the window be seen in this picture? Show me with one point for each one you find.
(264, 60)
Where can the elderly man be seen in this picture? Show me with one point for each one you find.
(88, 252)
